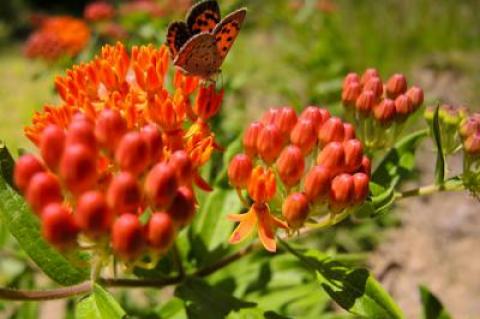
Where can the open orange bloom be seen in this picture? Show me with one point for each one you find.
(259, 215)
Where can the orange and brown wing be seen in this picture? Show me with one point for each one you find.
(203, 17)
(177, 35)
(227, 31)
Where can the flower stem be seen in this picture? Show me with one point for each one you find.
(429, 189)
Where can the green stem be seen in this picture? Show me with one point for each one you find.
(428, 190)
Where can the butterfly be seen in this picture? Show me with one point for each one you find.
(199, 45)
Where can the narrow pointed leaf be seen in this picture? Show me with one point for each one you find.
(440, 164)
(432, 307)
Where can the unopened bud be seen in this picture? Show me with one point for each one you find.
(375, 85)
(58, 226)
(350, 93)
(25, 168)
(304, 135)
(384, 112)
(295, 210)
(182, 165)
(316, 115)
(78, 168)
(269, 143)
(396, 85)
(81, 131)
(182, 208)
(286, 120)
(127, 236)
(368, 74)
(332, 157)
(416, 96)
(239, 170)
(361, 188)
(472, 144)
(331, 131)
(110, 127)
(469, 126)
(353, 154)
(317, 183)
(133, 153)
(349, 131)
(403, 105)
(42, 190)
(290, 165)
(250, 138)
(52, 142)
(261, 186)
(160, 231)
(93, 215)
(124, 195)
(161, 185)
(270, 116)
(341, 192)
(351, 77)
(151, 134)
(366, 101)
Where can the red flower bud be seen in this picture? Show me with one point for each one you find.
(332, 157)
(269, 143)
(250, 138)
(269, 117)
(208, 102)
(317, 183)
(375, 85)
(290, 165)
(472, 144)
(331, 131)
(295, 210)
(160, 231)
(78, 168)
(349, 131)
(403, 105)
(161, 185)
(353, 154)
(42, 190)
(127, 236)
(261, 186)
(153, 137)
(350, 78)
(93, 215)
(341, 191)
(110, 127)
(181, 164)
(182, 208)
(123, 194)
(286, 120)
(469, 126)
(366, 101)
(304, 135)
(366, 166)
(351, 93)
(385, 111)
(133, 153)
(396, 85)
(416, 96)
(316, 115)
(81, 131)
(25, 168)
(239, 170)
(368, 74)
(360, 186)
(52, 142)
(58, 225)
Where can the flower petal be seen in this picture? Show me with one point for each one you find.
(247, 224)
(266, 228)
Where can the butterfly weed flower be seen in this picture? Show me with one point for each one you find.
(120, 155)
(379, 109)
(98, 11)
(298, 171)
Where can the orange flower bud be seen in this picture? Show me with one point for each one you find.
(472, 144)
(250, 138)
(161, 185)
(42, 190)
(469, 126)
(396, 85)
(269, 143)
(81, 131)
(153, 137)
(349, 131)
(416, 96)
(304, 135)
(385, 111)
(360, 186)
(110, 127)
(127, 236)
(208, 102)
(366, 101)
(375, 85)
(368, 74)
(353, 154)
(160, 231)
(350, 78)
(331, 131)
(332, 157)
(262, 186)
(123, 194)
(317, 183)
(182, 166)
(350, 93)
(58, 225)
(316, 115)
(25, 168)
(286, 120)
(295, 210)
(78, 168)
(52, 142)
(341, 191)
(93, 215)
(366, 166)
(239, 170)
(290, 165)
(270, 116)
(403, 105)
(132, 153)
(182, 208)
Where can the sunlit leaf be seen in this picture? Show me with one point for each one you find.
(432, 307)
(99, 305)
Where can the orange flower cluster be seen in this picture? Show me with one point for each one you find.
(118, 147)
(56, 37)
(379, 109)
(312, 163)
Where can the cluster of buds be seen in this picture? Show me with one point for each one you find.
(311, 163)
(101, 16)
(379, 109)
(57, 37)
(120, 156)
(469, 131)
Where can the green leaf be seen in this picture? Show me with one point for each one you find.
(432, 307)
(25, 227)
(399, 162)
(173, 309)
(7, 164)
(354, 289)
(440, 164)
(99, 305)
(205, 301)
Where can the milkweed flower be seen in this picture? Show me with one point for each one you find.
(119, 144)
(57, 36)
(98, 11)
(311, 163)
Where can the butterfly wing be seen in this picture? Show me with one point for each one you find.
(203, 17)
(177, 35)
(199, 56)
(227, 30)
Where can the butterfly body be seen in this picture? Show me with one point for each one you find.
(199, 45)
